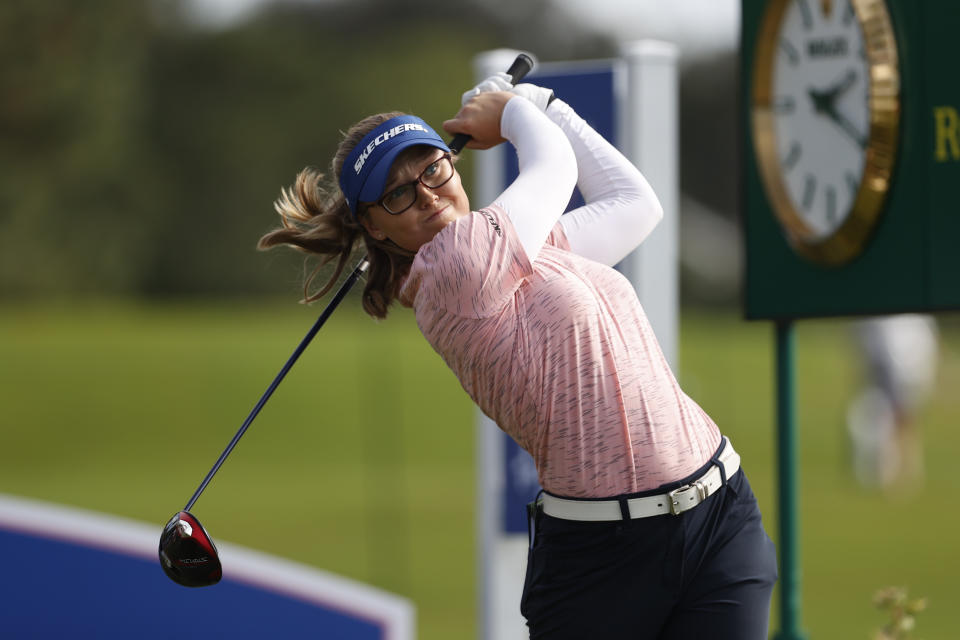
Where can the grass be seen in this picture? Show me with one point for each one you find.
(366, 450)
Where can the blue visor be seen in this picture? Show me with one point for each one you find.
(365, 170)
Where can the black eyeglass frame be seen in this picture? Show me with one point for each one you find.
(413, 183)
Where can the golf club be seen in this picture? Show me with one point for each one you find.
(187, 553)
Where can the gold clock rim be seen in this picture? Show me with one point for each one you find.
(850, 239)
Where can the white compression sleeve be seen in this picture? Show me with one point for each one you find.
(621, 208)
(548, 173)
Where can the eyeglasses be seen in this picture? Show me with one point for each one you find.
(401, 198)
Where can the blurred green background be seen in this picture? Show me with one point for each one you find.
(138, 326)
(365, 452)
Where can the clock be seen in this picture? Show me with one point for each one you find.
(825, 117)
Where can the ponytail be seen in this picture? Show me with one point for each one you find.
(316, 219)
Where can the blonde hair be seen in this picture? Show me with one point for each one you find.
(317, 220)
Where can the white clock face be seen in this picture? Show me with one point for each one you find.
(820, 105)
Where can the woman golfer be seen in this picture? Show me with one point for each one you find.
(647, 527)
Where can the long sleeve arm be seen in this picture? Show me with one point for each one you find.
(548, 173)
(621, 208)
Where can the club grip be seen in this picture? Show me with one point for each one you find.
(521, 66)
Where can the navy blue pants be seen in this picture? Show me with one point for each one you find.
(706, 573)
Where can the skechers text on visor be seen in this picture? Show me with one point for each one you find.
(365, 171)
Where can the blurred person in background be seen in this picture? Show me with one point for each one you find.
(899, 357)
(647, 526)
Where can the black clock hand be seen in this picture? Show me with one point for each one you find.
(848, 128)
(822, 100)
(839, 89)
(823, 103)
(845, 83)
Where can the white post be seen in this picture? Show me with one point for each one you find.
(649, 138)
(501, 559)
(488, 175)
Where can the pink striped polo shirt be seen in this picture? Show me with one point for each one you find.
(560, 354)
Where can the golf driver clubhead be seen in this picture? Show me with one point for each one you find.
(187, 553)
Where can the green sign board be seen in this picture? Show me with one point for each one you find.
(851, 122)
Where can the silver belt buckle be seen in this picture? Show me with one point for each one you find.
(682, 493)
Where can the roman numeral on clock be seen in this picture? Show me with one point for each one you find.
(806, 14)
(848, 14)
(852, 183)
(809, 192)
(793, 155)
(793, 55)
(784, 105)
(831, 196)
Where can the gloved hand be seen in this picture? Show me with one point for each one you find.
(540, 96)
(497, 82)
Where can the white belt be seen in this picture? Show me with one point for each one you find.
(677, 501)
